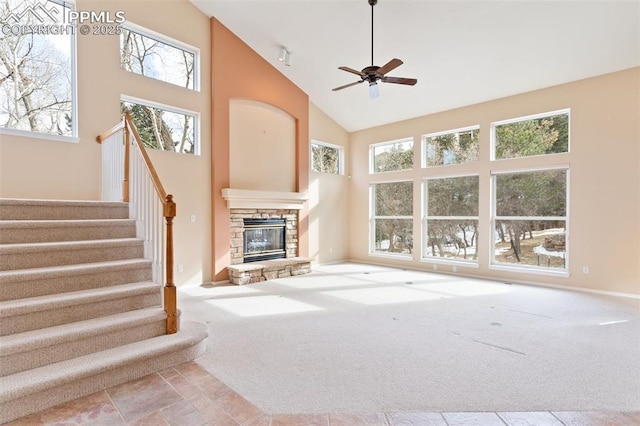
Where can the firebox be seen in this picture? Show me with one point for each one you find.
(264, 239)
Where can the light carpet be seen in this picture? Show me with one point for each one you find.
(361, 338)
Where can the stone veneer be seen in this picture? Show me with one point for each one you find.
(237, 230)
(255, 272)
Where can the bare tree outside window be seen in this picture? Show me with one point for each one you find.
(162, 129)
(154, 58)
(36, 76)
(325, 158)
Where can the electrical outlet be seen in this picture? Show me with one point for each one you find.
(585, 269)
(455, 269)
(180, 267)
(193, 218)
(435, 267)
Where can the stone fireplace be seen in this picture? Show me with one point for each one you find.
(264, 235)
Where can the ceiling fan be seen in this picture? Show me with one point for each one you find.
(373, 73)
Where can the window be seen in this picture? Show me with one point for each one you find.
(530, 219)
(37, 68)
(535, 135)
(392, 217)
(327, 158)
(164, 128)
(156, 56)
(451, 218)
(392, 156)
(451, 147)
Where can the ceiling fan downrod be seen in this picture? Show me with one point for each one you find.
(372, 3)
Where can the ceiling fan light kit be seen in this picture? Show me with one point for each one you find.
(374, 73)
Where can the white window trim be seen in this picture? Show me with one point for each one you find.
(341, 159)
(372, 224)
(425, 217)
(74, 138)
(492, 132)
(146, 32)
(423, 157)
(373, 146)
(177, 110)
(530, 269)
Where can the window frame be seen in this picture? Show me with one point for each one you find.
(175, 110)
(520, 268)
(424, 137)
(73, 74)
(425, 217)
(373, 217)
(494, 124)
(373, 146)
(341, 159)
(169, 41)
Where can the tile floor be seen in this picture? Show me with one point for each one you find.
(188, 395)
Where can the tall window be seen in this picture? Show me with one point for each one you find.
(536, 135)
(530, 218)
(451, 218)
(392, 217)
(156, 56)
(327, 158)
(37, 76)
(164, 128)
(392, 156)
(451, 147)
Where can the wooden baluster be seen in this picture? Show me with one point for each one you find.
(170, 296)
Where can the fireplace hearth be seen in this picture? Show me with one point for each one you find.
(263, 239)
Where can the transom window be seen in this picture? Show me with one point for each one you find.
(451, 218)
(327, 158)
(540, 134)
(162, 127)
(37, 67)
(391, 156)
(392, 218)
(154, 55)
(450, 147)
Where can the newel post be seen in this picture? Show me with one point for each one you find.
(170, 296)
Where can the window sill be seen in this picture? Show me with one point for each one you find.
(452, 262)
(36, 135)
(530, 270)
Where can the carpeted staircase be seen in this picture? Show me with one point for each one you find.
(78, 310)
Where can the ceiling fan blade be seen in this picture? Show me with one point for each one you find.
(400, 80)
(360, 73)
(347, 85)
(391, 65)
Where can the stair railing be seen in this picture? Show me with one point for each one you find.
(129, 176)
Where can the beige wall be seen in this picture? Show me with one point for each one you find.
(328, 196)
(262, 147)
(38, 168)
(604, 194)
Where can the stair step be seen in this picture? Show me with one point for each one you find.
(21, 209)
(36, 348)
(17, 316)
(31, 391)
(23, 283)
(39, 231)
(39, 255)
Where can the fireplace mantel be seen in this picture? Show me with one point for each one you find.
(254, 199)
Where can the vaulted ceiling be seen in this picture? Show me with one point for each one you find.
(461, 52)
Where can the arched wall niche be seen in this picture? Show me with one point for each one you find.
(262, 147)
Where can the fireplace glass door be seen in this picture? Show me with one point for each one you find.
(264, 239)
